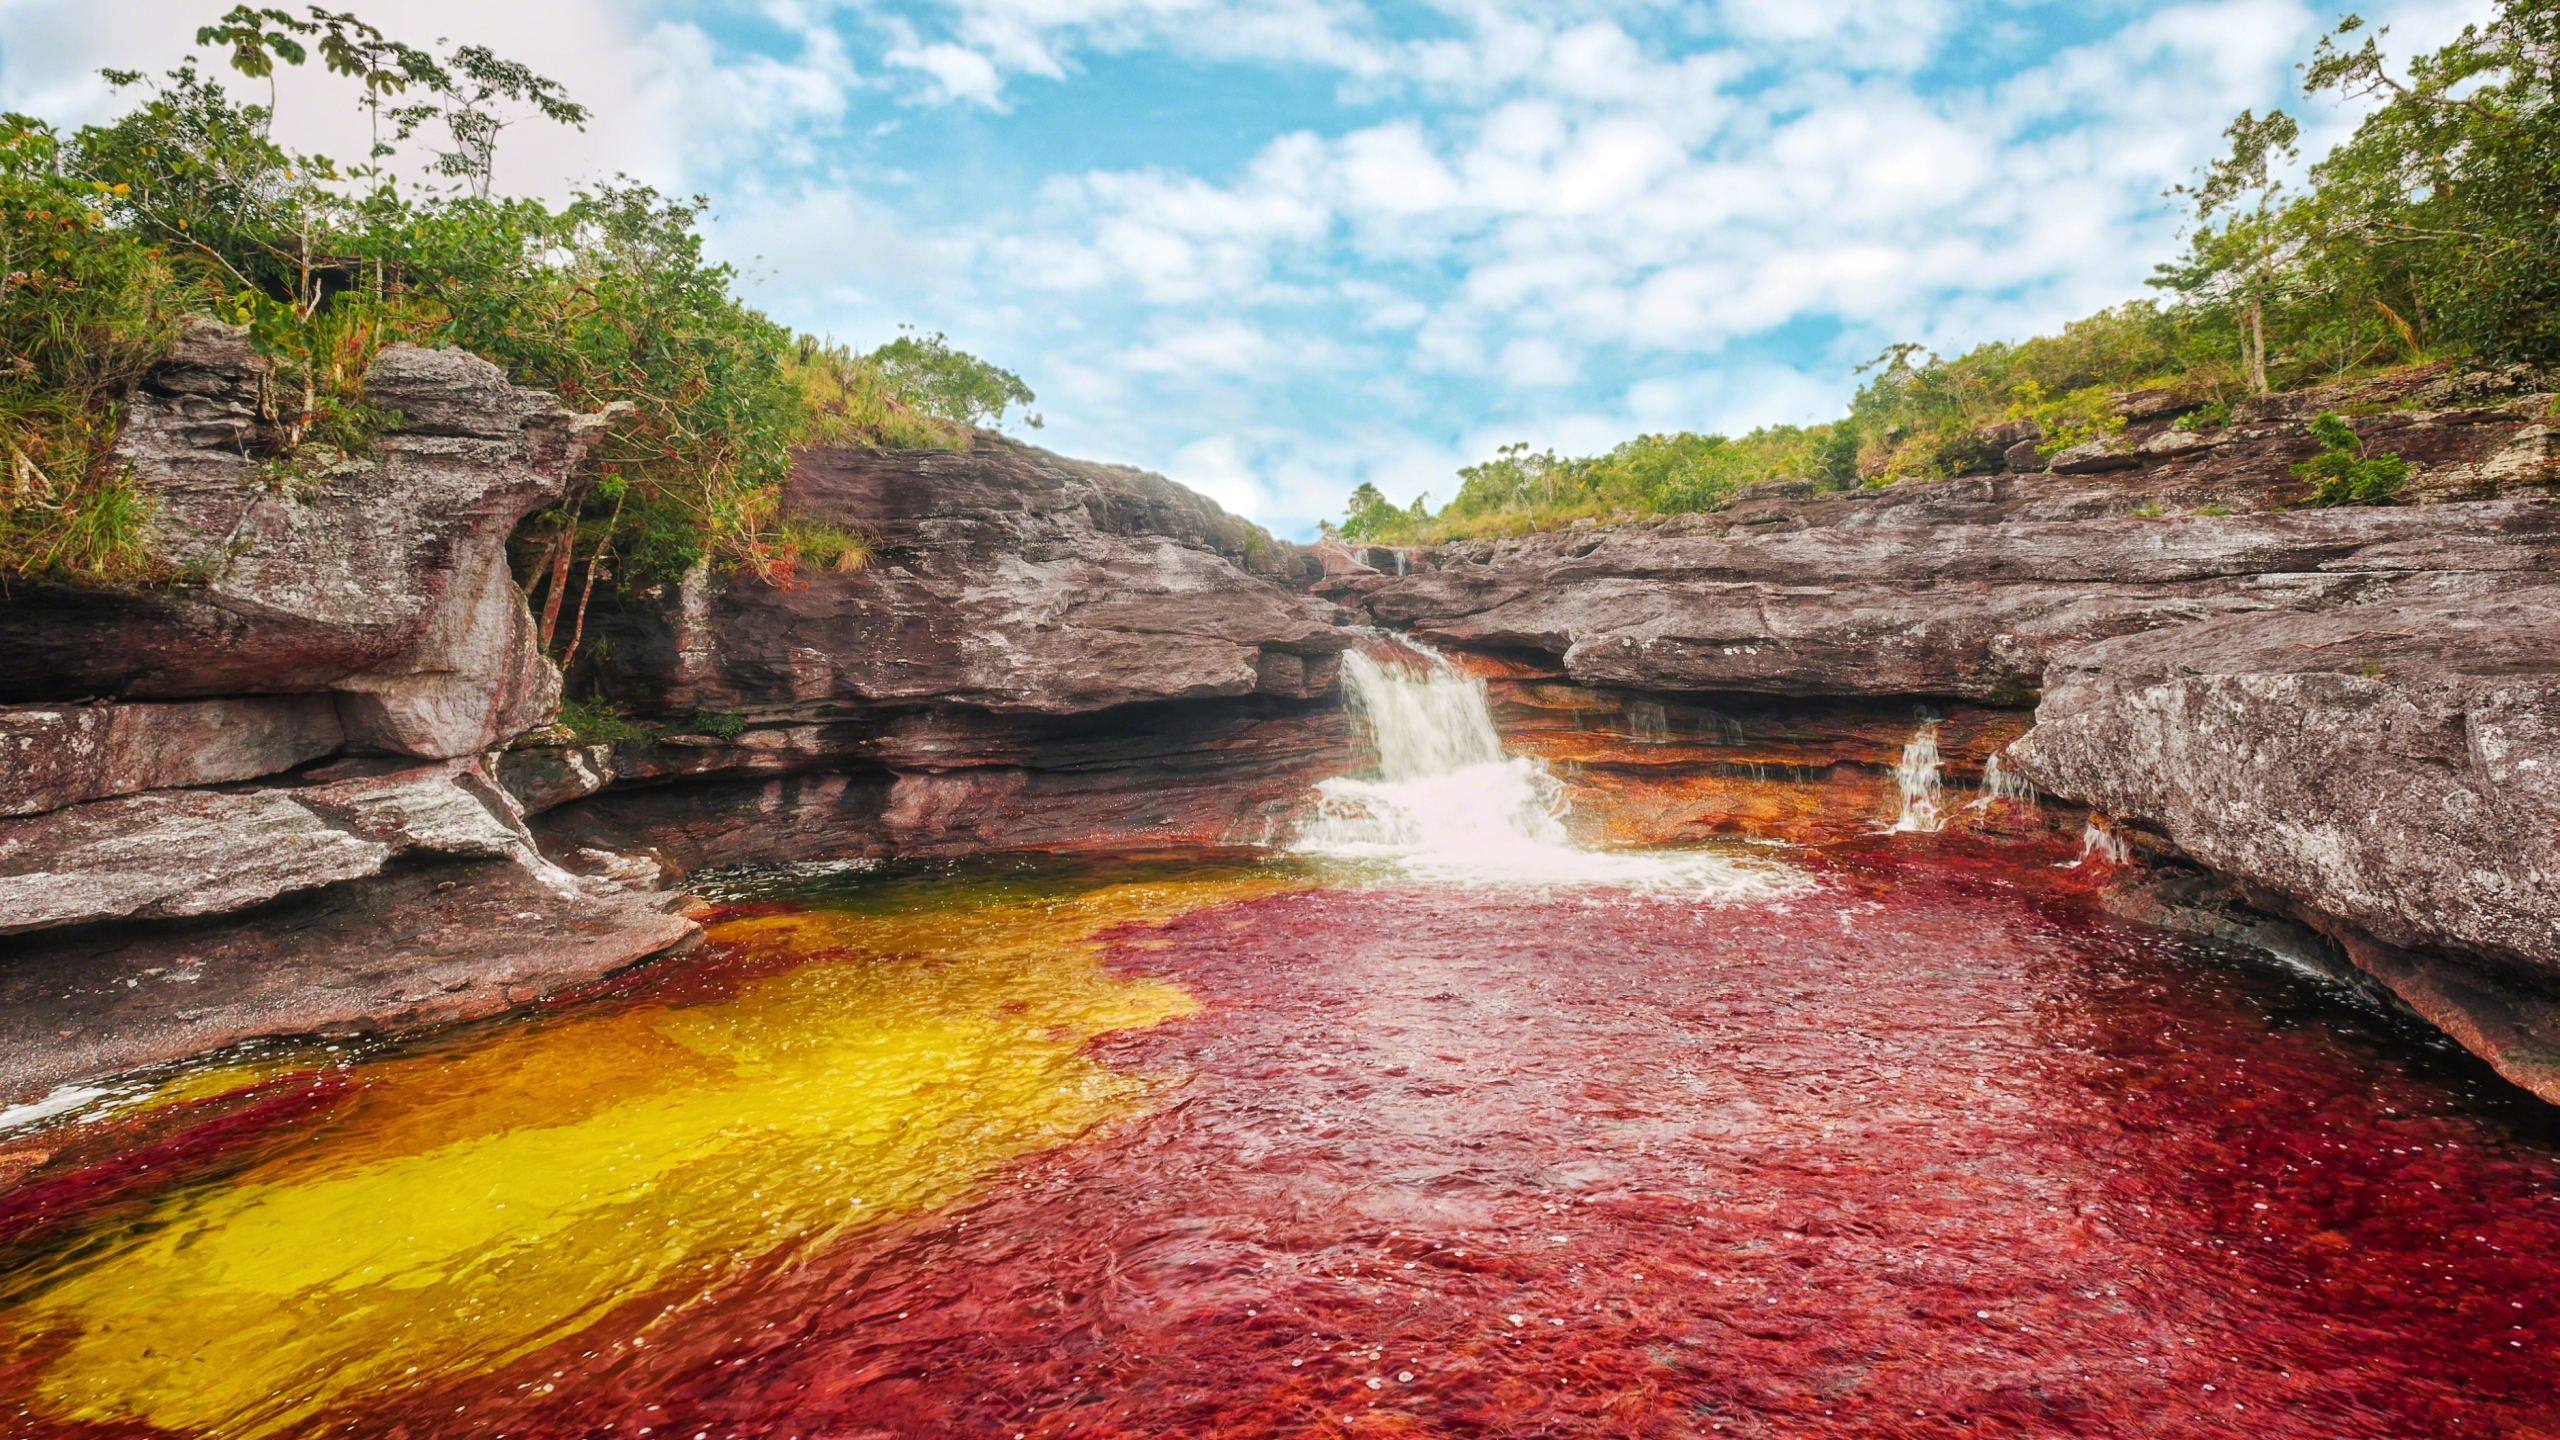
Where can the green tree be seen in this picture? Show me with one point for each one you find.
(2241, 261)
(2451, 184)
(943, 381)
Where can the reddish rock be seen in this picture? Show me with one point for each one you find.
(380, 578)
(57, 755)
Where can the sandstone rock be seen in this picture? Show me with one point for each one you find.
(173, 853)
(420, 945)
(1951, 591)
(959, 781)
(381, 577)
(2388, 772)
(2107, 452)
(2024, 456)
(541, 777)
(2158, 404)
(170, 853)
(1003, 577)
(57, 755)
(2174, 442)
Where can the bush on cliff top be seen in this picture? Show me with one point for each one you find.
(185, 205)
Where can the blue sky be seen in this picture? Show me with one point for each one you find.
(1274, 248)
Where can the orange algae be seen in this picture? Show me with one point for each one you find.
(484, 1198)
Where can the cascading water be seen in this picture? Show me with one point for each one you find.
(1447, 804)
(1922, 791)
(2002, 785)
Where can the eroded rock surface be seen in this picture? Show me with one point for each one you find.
(170, 853)
(1965, 588)
(1040, 652)
(2389, 773)
(420, 945)
(378, 579)
(1003, 578)
(57, 755)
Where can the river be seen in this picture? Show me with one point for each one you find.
(1427, 1122)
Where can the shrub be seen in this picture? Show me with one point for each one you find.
(2343, 473)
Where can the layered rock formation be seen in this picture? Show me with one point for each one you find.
(1040, 651)
(2388, 774)
(297, 713)
(2350, 715)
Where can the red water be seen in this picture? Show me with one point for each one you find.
(1936, 1150)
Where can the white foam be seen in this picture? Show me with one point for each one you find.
(1447, 806)
(63, 1100)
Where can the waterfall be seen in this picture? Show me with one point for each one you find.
(1922, 793)
(1447, 804)
(2002, 784)
(2101, 843)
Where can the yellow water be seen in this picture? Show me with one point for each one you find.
(482, 1199)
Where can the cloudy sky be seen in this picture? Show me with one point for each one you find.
(1277, 247)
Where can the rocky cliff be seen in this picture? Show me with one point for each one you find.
(2350, 716)
(1039, 651)
(252, 796)
(306, 780)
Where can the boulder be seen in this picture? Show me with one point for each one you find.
(379, 577)
(2388, 773)
(57, 755)
(2107, 452)
(2153, 404)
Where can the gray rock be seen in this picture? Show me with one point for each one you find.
(2107, 452)
(543, 776)
(57, 755)
(2174, 442)
(174, 853)
(419, 946)
(1004, 578)
(1963, 589)
(381, 577)
(2157, 404)
(169, 854)
(2389, 773)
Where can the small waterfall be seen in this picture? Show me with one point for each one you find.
(2100, 842)
(2000, 784)
(1447, 804)
(1649, 722)
(1923, 793)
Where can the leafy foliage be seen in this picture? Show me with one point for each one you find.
(2343, 473)
(948, 384)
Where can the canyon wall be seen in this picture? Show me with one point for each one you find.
(1039, 652)
(2346, 717)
